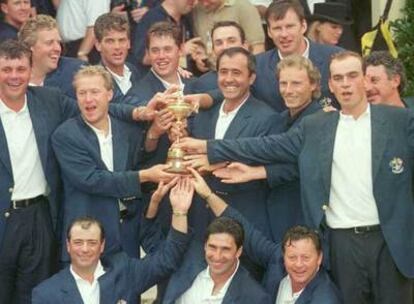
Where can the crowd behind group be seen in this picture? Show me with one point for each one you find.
(298, 155)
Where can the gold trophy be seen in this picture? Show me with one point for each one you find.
(181, 110)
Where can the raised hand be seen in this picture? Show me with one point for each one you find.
(181, 196)
(199, 184)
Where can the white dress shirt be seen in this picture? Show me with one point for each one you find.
(352, 201)
(29, 178)
(285, 294)
(201, 292)
(105, 145)
(124, 82)
(106, 149)
(90, 293)
(225, 118)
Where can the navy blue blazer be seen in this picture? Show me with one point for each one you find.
(124, 279)
(311, 146)
(89, 187)
(269, 255)
(254, 118)
(243, 288)
(48, 108)
(7, 31)
(149, 85)
(283, 204)
(62, 76)
(266, 86)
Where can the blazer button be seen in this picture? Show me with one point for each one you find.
(6, 214)
(11, 190)
(324, 207)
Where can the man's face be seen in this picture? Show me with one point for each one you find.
(295, 88)
(211, 5)
(185, 6)
(287, 33)
(14, 78)
(226, 37)
(221, 254)
(47, 50)
(379, 86)
(347, 82)
(233, 77)
(302, 262)
(93, 99)
(85, 247)
(16, 12)
(164, 55)
(114, 48)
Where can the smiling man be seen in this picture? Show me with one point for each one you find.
(107, 279)
(385, 80)
(16, 13)
(100, 160)
(50, 69)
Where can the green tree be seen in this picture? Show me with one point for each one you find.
(404, 39)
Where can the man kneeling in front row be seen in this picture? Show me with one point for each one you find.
(113, 278)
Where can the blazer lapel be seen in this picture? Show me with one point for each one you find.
(240, 121)
(379, 137)
(4, 152)
(70, 292)
(328, 133)
(91, 139)
(40, 127)
(119, 146)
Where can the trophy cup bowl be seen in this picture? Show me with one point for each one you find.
(175, 158)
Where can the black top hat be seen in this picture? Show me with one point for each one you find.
(331, 12)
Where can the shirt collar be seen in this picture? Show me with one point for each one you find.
(167, 84)
(99, 271)
(234, 112)
(5, 109)
(206, 275)
(304, 54)
(346, 117)
(100, 132)
(127, 73)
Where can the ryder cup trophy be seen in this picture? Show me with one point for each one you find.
(181, 110)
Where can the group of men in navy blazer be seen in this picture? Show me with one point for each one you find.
(101, 159)
(286, 26)
(96, 163)
(356, 184)
(213, 262)
(30, 187)
(299, 85)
